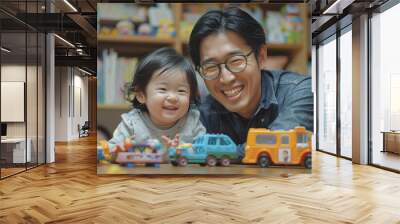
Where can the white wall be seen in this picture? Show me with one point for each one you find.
(80, 100)
(61, 103)
(13, 72)
(70, 83)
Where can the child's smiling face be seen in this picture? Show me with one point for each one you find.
(167, 97)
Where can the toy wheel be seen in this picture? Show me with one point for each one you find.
(225, 161)
(308, 162)
(263, 161)
(174, 163)
(211, 161)
(182, 161)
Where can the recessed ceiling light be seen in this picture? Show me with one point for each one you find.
(337, 7)
(71, 6)
(64, 40)
(84, 71)
(5, 49)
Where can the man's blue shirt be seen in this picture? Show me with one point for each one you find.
(286, 102)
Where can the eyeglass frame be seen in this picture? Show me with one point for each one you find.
(200, 68)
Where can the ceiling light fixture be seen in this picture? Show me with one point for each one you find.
(84, 71)
(70, 5)
(79, 51)
(337, 7)
(5, 49)
(65, 41)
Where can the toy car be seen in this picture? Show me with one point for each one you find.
(130, 153)
(140, 154)
(265, 147)
(208, 149)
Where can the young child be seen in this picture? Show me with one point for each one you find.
(165, 92)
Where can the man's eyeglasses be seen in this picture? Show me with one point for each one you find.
(235, 64)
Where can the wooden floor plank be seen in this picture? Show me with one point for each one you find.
(70, 191)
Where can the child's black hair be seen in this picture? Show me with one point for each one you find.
(160, 61)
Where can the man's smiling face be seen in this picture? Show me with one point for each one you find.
(239, 92)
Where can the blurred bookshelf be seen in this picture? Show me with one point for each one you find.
(135, 40)
(114, 106)
(134, 46)
(127, 32)
(138, 35)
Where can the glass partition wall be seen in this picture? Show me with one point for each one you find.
(22, 79)
(346, 93)
(385, 89)
(326, 59)
(334, 89)
(13, 86)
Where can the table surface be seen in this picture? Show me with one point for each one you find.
(390, 132)
(197, 169)
(13, 140)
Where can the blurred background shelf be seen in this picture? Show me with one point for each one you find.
(134, 39)
(284, 47)
(114, 106)
(184, 15)
(133, 46)
(274, 48)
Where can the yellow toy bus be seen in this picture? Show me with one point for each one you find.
(265, 147)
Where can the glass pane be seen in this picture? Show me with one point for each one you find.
(346, 94)
(385, 86)
(327, 97)
(13, 85)
(285, 140)
(41, 99)
(212, 141)
(32, 9)
(302, 138)
(222, 141)
(31, 97)
(266, 139)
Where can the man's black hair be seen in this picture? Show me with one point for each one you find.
(229, 19)
(161, 61)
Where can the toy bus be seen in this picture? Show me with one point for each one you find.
(265, 147)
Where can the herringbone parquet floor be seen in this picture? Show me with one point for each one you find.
(69, 191)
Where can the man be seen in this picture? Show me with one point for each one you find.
(228, 50)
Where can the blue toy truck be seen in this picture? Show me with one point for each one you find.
(208, 149)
